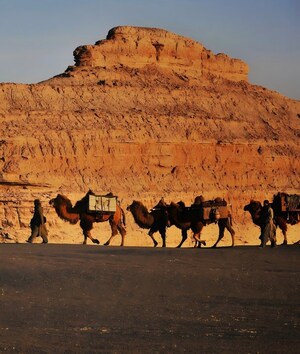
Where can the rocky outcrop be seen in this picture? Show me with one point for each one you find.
(137, 48)
(145, 113)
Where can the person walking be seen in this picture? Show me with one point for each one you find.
(268, 226)
(37, 223)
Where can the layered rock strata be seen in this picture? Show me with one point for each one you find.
(145, 113)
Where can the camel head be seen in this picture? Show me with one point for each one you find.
(181, 204)
(135, 204)
(59, 200)
(253, 207)
(198, 200)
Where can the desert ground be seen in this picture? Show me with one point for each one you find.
(94, 299)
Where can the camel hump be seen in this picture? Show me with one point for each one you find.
(220, 201)
(160, 204)
(61, 196)
(198, 200)
(134, 203)
(109, 195)
(139, 205)
(217, 202)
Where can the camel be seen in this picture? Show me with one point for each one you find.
(280, 218)
(155, 221)
(182, 221)
(67, 212)
(192, 218)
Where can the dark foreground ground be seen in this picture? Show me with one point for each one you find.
(92, 299)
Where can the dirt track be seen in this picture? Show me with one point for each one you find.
(92, 299)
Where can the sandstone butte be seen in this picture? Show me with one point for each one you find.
(145, 113)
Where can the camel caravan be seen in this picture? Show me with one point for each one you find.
(102, 208)
(185, 218)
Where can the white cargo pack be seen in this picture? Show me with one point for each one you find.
(101, 204)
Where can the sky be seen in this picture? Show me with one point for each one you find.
(38, 37)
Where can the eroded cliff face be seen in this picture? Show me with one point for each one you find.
(136, 47)
(145, 113)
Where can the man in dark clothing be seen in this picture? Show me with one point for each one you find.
(268, 231)
(37, 223)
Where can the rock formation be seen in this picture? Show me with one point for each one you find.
(137, 47)
(145, 113)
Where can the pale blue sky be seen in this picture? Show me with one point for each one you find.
(37, 37)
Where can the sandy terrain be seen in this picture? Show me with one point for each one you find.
(92, 299)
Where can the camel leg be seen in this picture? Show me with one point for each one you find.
(232, 232)
(122, 232)
(87, 234)
(195, 241)
(198, 241)
(222, 225)
(163, 236)
(107, 243)
(285, 238)
(284, 232)
(150, 233)
(218, 240)
(281, 223)
(221, 233)
(197, 229)
(86, 227)
(261, 237)
(184, 237)
(114, 232)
